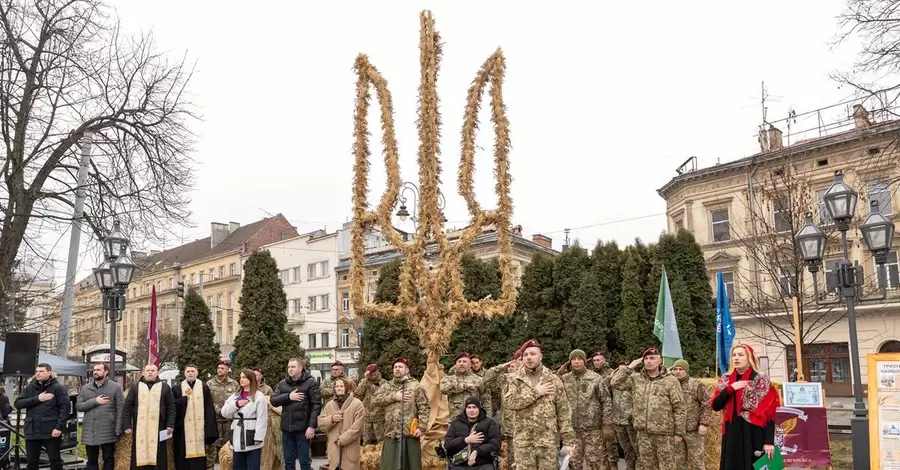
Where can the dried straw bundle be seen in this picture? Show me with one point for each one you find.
(123, 453)
(714, 436)
(225, 457)
(432, 301)
(370, 457)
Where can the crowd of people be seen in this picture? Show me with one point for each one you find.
(656, 417)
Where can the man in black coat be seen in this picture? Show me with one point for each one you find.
(137, 418)
(300, 400)
(48, 409)
(194, 411)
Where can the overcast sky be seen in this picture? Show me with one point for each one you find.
(605, 99)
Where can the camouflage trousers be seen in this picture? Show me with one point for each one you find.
(507, 459)
(627, 438)
(656, 451)
(690, 452)
(212, 452)
(590, 450)
(372, 432)
(536, 458)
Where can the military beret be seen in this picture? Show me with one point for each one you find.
(401, 360)
(462, 355)
(651, 352)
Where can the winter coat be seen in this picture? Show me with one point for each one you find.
(417, 408)
(327, 388)
(297, 416)
(5, 408)
(461, 427)
(344, 437)
(658, 402)
(43, 417)
(252, 416)
(102, 424)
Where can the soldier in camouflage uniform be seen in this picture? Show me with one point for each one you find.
(543, 416)
(327, 387)
(221, 387)
(658, 412)
(698, 412)
(492, 390)
(591, 405)
(600, 366)
(499, 377)
(262, 386)
(402, 395)
(368, 386)
(625, 433)
(461, 383)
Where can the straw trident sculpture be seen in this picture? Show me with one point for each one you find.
(431, 301)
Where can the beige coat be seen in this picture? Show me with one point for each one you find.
(348, 433)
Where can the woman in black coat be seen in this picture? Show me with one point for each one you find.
(472, 438)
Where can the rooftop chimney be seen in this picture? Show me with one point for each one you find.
(517, 230)
(861, 117)
(770, 139)
(542, 240)
(232, 226)
(218, 232)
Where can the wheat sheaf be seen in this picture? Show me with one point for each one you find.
(431, 300)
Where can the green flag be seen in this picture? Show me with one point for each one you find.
(665, 328)
(775, 463)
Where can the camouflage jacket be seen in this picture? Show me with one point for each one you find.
(366, 392)
(327, 389)
(696, 404)
(589, 399)
(417, 408)
(606, 372)
(621, 415)
(455, 386)
(658, 403)
(220, 391)
(498, 378)
(265, 389)
(541, 421)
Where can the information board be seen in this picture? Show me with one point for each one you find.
(884, 410)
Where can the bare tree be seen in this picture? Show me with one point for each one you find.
(67, 71)
(778, 198)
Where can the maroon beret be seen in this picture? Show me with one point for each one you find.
(372, 368)
(651, 352)
(461, 356)
(401, 360)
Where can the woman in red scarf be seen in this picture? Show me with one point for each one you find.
(748, 402)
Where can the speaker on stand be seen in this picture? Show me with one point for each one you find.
(20, 359)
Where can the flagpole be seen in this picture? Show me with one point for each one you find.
(798, 346)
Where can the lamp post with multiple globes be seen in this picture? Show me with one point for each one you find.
(113, 277)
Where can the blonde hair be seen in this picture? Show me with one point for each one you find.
(751, 358)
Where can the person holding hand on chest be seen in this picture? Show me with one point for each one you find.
(342, 420)
(249, 411)
(101, 401)
(47, 405)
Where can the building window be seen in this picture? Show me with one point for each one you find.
(193, 278)
(826, 362)
(787, 281)
(720, 226)
(679, 225)
(359, 335)
(298, 305)
(219, 335)
(880, 191)
(824, 218)
(345, 301)
(891, 271)
(781, 213)
(221, 271)
(345, 338)
(171, 283)
(209, 301)
(297, 272)
(325, 340)
(728, 279)
(311, 271)
(324, 303)
(232, 268)
(231, 300)
(212, 274)
(284, 277)
(311, 303)
(323, 269)
(219, 301)
(311, 340)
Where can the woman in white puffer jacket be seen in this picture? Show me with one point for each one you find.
(249, 410)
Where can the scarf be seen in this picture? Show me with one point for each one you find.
(194, 424)
(757, 402)
(146, 436)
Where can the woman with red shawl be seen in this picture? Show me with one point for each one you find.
(748, 402)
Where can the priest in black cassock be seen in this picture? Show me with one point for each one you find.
(195, 423)
(149, 416)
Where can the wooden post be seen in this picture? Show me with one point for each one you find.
(797, 344)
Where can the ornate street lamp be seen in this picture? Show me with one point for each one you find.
(122, 269)
(116, 242)
(113, 277)
(103, 276)
(403, 212)
(878, 235)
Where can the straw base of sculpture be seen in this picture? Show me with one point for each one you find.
(123, 453)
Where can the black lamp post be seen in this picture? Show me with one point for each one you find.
(113, 277)
(878, 235)
(403, 213)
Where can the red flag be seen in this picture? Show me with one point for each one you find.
(153, 331)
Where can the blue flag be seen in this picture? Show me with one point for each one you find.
(724, 326)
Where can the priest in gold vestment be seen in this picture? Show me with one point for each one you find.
(195, 422)
(149, 415)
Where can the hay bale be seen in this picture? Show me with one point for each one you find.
(123, 453)
(225, 457)
(370, 457)
(713, 445)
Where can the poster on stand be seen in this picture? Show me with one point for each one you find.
(802, 435)
(884, 410)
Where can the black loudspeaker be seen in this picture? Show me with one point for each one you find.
(20, 357)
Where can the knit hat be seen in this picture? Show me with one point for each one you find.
(577, 353)
(683, 364)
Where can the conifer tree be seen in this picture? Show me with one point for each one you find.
(263, 340)
(635, 324)
(606, 261)
(487, 337)
(198, 337)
